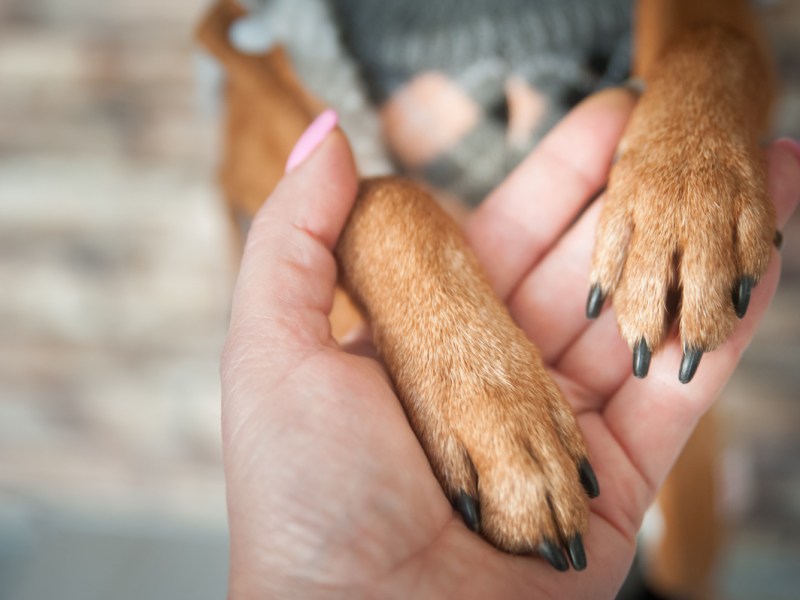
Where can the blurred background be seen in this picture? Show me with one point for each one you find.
(115, 269)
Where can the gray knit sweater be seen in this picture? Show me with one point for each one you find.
(356, 53)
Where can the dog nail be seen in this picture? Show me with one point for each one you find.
(553, 554)
(691, 358)
(778, 240)
(635, 85)
(741, 295)
(577, 554)
(641, 359)
(594, 304)
(588, 479)
(468, 507)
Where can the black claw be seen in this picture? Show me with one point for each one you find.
(553, 554)
(594, 304)
(691, 359)
(778, 240)
(577, 555)
(741, 295)
(588, 479)
(641, 359)
(468, 507)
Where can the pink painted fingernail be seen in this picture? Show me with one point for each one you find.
(794, 146)
(312, 137)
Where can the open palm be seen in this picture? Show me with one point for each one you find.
(329, 492)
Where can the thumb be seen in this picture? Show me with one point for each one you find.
(285, 287)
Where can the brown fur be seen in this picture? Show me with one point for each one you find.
(490, 418)
(687, 201)
(267, 111)
(686, 206)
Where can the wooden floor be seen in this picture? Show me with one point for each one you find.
(115, 270)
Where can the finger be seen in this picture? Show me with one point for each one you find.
(783, 177)
(527, 213)
(286, 282)
(599, 360)
(580, 361)
(549, 302)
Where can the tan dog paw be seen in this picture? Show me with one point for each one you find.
(502, 440)
(687, 213)
(499, 435)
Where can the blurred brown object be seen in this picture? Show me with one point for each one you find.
(685, 561)
(267, 109)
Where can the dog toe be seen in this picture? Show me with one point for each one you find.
(610, 252)
(519, 474)
(699, 233)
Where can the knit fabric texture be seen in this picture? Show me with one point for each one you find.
(356, 53)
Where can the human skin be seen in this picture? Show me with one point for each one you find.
(329, 493)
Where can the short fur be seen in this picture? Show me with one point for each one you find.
(687, 206)
(490, 418)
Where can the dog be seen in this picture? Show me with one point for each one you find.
(687, 216)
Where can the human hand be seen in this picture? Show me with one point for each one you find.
(329, 493)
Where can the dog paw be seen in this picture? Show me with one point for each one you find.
(499, 435)
(502, 441)
(505, 447)
(688, 225)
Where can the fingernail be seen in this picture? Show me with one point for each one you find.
(794, 146)
(312, 137)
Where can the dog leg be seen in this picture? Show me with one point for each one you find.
(687, 209)
(499, 435)
(687, 206)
